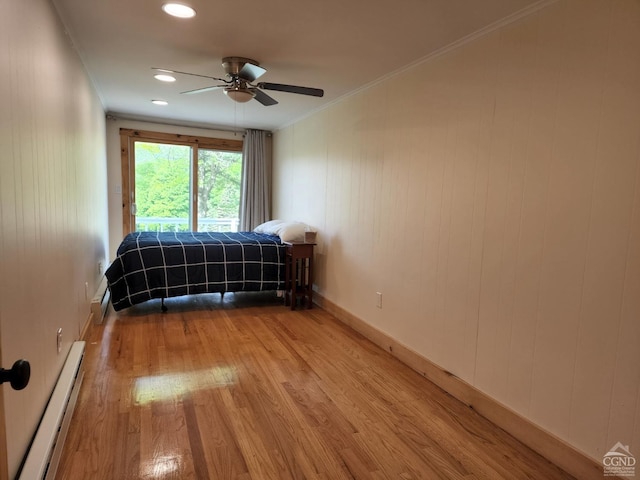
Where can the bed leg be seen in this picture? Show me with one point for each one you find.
(163, 307)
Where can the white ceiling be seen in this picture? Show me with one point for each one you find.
(337, 45)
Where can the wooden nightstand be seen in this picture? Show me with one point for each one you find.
(298, 276)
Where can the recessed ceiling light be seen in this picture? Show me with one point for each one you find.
(179, 10)
(164, 77)
(159, 102)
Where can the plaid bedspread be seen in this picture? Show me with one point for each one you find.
(161, 265)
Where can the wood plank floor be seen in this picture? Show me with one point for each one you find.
(243, 388)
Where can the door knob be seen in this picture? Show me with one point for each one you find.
(18, 375)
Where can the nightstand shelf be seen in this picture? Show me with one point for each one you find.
(299, 274)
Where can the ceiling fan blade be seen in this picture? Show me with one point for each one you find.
(165, 70)
(250, 72)
(263, 98)
(201, 90)
(314, 92)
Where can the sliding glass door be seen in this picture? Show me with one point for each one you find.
(219, 175)
(162, 187)
(174, 183)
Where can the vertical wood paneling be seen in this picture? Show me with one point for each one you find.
(503, 209)
(503, 200)
(569, 217)
(624, 420)
(53, 204)
(611, 211)
(613, 266)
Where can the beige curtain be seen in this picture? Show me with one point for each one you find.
(255, 198)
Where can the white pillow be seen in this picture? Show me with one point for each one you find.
(291, 231)
(269, 228)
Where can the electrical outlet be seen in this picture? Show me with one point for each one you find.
(59, 340)
(379, 299)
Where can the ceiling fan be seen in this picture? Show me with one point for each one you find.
(241, 73)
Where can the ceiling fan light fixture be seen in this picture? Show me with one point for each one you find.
(240, 95)
(179, 10)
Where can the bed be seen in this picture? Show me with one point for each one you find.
(152, 265)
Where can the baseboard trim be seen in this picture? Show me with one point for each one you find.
(541, 441)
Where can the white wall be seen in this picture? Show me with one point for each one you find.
(492, 194)
(115, 164)
(53, 213)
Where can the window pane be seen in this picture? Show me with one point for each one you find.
(162, 187)
(218, 190)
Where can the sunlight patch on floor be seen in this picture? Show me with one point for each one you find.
(174, 385)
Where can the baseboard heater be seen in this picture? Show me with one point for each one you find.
(45, 451)
(100, 302)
